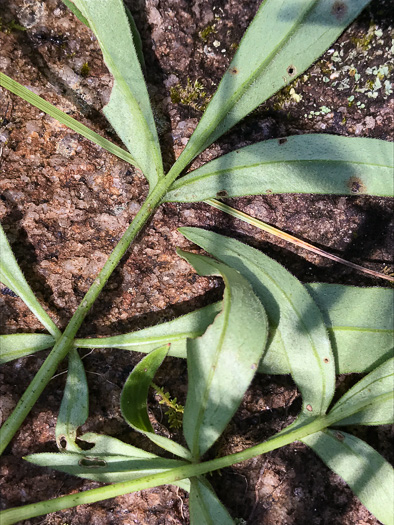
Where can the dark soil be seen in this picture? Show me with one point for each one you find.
(65, 203)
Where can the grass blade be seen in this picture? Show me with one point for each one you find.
(366, 472)
(63, 118)
(74, 409)
(222, 362)
(133, 401)
(205, 506)
(11, 275)
(283, 40)
(129, 110)
(371, 399)
(14, 346)
(325, 164)
(297, 328)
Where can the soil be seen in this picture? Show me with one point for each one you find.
(65, 203)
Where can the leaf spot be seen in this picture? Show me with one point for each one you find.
(326, 360)
(234, 71)
(282, 141)
(291, 70)
(91, 462)
(339, 436)
(339, 10)
(309, 408)
(268, 192)
(254, 366)
(356, 185)
(222, 193)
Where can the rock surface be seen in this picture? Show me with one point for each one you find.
(65, 203)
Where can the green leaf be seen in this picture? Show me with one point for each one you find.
(221, 363)
(129, 110)
(362, 338)
(133, 28)
(63, 118)
(205, 506)
(14, 346)
(283, 40)
(12, 276)
(175, 332)
(371, 400)
(296, 324)
(300, 164)
(134, 397)
(366, 472)
(74, 409)
(108, 461)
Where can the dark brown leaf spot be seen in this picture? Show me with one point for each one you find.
(234, 71)
(291, 70)
(339, 436)
(339, 10)
(268, 192)
(356, 185)
(90, 462)
(222, 193)
(282, 141)
(326, 360)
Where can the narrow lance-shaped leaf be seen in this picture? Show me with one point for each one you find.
(283, 40)
(318, 163)
(133, 401)
(362, 338)
(371, 400)
(221, 363)
(12, 276)
(14, 346)
(296, 324)
(74, 409)
(366, 472)
(129, 110)
(109, 460)
(205, 506)
(175, 332)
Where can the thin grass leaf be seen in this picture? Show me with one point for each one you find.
(283, 40)
(175, 332)
(366, 472)
(76, 12)
(65, 119)
(297, 330)
(108, 461)
(221, 363)
(74, 409)
(133, 401)
(12, 276)
(129, 110)
(362, 338)
(205, 506)
(371, 400)
(14, 346)
(326, 164)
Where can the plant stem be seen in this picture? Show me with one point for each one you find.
(10, 516)
(65, 342)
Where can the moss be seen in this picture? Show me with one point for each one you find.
(207, 31)
(364, 42)
(192, 95)
(10, 26)
(85, 70)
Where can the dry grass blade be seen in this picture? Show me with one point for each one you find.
(290, 238)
